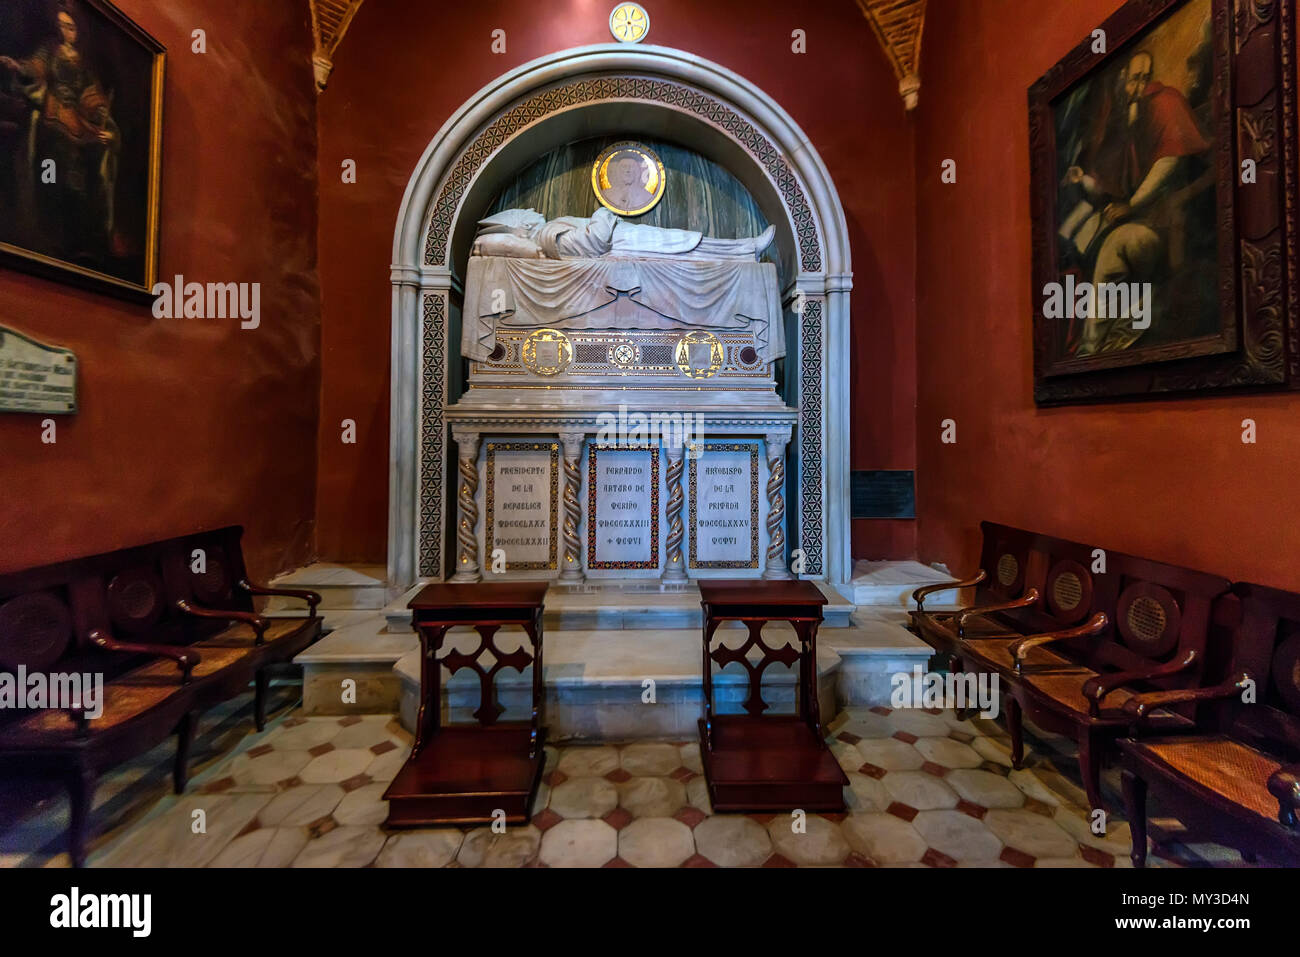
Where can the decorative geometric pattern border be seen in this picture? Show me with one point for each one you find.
(752, 449)
(433, 438)
(489, 529)
(591, 89)
(591, 510)
(810, 435)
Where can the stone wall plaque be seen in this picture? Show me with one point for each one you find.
(724, 505)
(35, 377)
(622, 508)
(523, 503)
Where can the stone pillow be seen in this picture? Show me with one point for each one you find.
(516, 221)
(507, 244)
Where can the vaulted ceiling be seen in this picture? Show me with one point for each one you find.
(897, 23)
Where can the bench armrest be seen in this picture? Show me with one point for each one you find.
(1140, 706)
(186, 658)
(256, 622)
(1096, 688)
(1284, 784)
(310, 597)
(1020, 649)
(918, 596)
(1030, 597)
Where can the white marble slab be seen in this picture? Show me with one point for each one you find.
(521, 512)
(723, 500)
(623, 487)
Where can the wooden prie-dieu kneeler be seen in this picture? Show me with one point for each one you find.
(755, 761)
(470, 773)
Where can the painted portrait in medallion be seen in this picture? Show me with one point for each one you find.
(80, 144)
(628, 178)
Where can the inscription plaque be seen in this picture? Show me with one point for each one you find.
(35, 377)
(622, 508)
(724, 505)
(523, 503)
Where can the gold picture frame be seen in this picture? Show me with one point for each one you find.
(639, 178)
(98, 225)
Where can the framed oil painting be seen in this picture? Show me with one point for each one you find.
(1163, 179)
(80, 144)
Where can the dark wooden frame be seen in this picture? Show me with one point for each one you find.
(468, 774)
(1266, 726)
(185, 610)
(1254, 89)
(61, 271)
(757, 762)
(1019, 619)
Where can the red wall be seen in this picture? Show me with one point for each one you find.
(397, 79)
(1168, 479)
(189, 424)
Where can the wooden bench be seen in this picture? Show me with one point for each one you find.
(171, 628)
(1070, 646)
(1239, 782)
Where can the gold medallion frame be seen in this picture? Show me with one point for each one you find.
(656, 182)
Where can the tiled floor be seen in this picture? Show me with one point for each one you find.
(925, 790)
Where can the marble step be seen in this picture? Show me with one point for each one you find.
(891, 583)
(596, 679)
(628, 604)
(341, 587)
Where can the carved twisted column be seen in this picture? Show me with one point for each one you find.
(674, 563)
(775, 565)
(571, 554)
(467, 509)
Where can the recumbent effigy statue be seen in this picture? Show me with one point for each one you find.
(600, 272)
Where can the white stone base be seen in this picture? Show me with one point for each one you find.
(341, 587)
(891, 583)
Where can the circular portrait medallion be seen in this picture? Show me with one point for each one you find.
(628, 179)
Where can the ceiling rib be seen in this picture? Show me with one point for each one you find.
(330, 20)
(898, 25)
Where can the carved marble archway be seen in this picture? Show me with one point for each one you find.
(545, 103)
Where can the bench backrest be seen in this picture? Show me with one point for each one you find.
(1266, 646)
(1156, 612)
(48, 613)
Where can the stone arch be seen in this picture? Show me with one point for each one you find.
(605, 88)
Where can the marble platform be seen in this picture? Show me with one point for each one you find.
(603, 643)
(628, 604)
(341, 587)
(891, 583)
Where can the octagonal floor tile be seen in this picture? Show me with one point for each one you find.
(585, 797)
(949, 753)
(1034, 834)
(958, 835)
(984, 788)
(652, 797)
(733, 841)
(650, 759)
(655, 842)
(515, 848)
(919, 789)
(579, 844)
(890, 754)
(588, 762)
(883, 838)
(820, 842)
